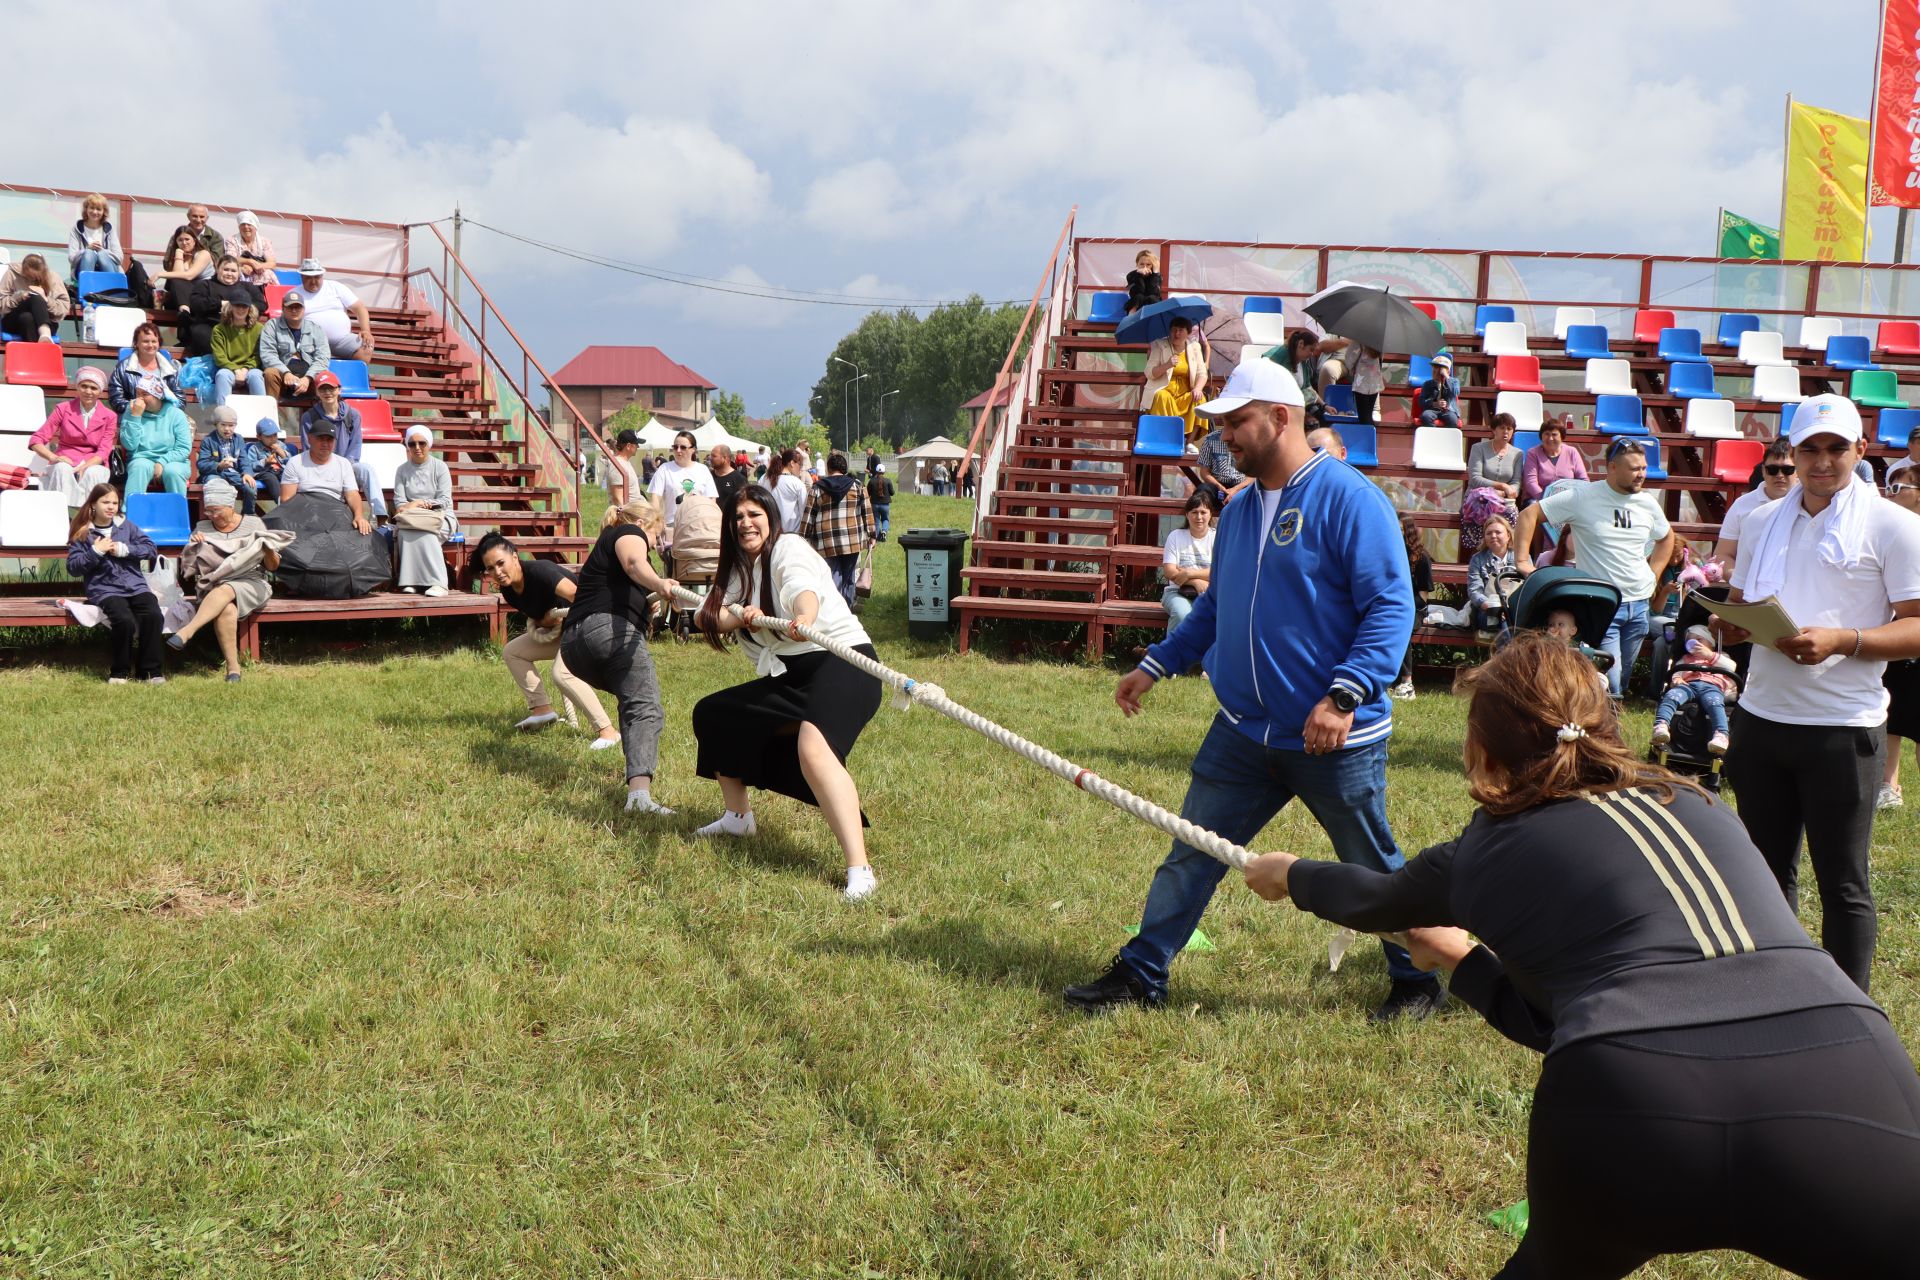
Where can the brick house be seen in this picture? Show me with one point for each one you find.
(601, 381)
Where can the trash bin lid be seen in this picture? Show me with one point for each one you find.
(933, 538)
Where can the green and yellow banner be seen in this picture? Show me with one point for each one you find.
(1744, 238)
(1823, 213)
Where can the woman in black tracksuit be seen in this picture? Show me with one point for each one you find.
(1712, 1079)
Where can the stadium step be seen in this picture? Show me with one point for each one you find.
(1033, 579)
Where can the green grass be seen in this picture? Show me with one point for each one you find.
(330, 973)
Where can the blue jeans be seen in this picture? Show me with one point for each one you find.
(883, 512)
(92, 260)
(1237, 788)
(1711, 700)
(1624, 636)
(223, 384)
(1176, 605)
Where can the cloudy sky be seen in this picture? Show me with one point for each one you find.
(932, 149)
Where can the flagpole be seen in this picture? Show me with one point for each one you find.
(1720, 232)
(1786, 156)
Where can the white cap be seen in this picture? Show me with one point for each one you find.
(1827, 415)
(1252, 380)
(245, 218)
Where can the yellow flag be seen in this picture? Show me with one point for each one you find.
(1824, 208)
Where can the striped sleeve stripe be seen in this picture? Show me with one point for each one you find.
(1681, 840)
(1673, 888)
(1153, 668)
(1372, 733)
(1636, 806)
(1357, 690)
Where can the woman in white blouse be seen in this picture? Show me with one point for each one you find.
(1188, 559)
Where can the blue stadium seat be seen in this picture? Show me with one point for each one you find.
(1691, 382)
(9, 337)
(1655, 470)
(1525, 440)
(99, 282)
(1680, 344)
(1895, 425)
(1340, 407)
(1160, 436)
(289, 276)
(1363, 444)
(1588, 342)
(162, 517)
(354, 382)
(1850, 351)
(1419, 369)
(1735, 323)
(1271, 306)
(1486, 312)
(1619, 415)
(1108, 308)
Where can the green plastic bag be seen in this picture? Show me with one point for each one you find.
(1512, 1219)
(1198, 942)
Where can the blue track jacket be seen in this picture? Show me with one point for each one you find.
(1319, 597)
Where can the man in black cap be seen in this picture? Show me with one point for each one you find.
(623, 484)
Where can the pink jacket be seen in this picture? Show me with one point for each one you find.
(72, 440)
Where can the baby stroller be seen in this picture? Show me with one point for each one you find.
(1686, 750)
(1591, 602)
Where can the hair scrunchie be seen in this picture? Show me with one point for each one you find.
(1570, 733)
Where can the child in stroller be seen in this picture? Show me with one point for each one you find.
(1703, 678)
(1688, 745)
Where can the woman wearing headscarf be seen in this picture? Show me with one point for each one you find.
(253, 250)
(158, 438)
(423, 516)
(105, 551)
(226, 565)
(76, 440)
(791, 729)
(1713, 1080)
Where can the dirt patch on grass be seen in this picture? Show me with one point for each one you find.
(169, 895)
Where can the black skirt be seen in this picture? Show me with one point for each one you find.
(750, 731)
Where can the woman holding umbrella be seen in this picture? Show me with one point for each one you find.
(1176, 367)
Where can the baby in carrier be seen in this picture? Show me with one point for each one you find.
(1704, 676)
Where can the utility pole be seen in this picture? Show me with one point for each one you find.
(453, 277)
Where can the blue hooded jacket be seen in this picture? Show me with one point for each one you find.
(1320, 596)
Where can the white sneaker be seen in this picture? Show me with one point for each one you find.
(156, 679)
(1404, 691)
(435, 591)
(860, 884)
(1889, 798)
(730, 823)
(603, 744)
(116, 679)
(540, 721)
(1662, 735)
(643, 802)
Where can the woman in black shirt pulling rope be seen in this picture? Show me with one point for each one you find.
(1712, 1079)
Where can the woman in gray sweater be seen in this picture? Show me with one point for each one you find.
(1493, 465)
(422, 492)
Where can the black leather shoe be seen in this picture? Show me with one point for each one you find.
(1414, 1000)
(1117, 986)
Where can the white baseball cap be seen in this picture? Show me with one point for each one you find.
(1252, 380)
(1825, 415)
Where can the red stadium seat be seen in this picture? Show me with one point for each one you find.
(1517, 373)
(376, 420)
(1734, 460)
(1648, 324)
(36, 364)
(1899, 337)
(275, 292)
(1431, 308)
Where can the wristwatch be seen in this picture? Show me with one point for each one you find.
(1343, 699)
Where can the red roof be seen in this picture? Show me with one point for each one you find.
(627, 367)
(980, 401)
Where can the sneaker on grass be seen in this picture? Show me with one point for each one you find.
(1412, 999)
(540, 721)
(1889, 798)
(1117, 986)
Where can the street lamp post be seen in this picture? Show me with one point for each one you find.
(883, 408)
(845, 425)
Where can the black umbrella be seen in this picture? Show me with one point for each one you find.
(1375, 318)
(328, 560)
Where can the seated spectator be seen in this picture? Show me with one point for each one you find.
(329, 407)
(75, 442)
(1187, 560)
(543, 593)
(145, 360)
(320, 470)
(1552, 459)
(1144, 287)
(880, 493)
(158, 438)
(223, 455)
(423, 516)
(1216, 467)
(293, 351)
(1302, 356)
(727, 478)
(236, 351)
(1420, 571)
(335, 308)
(1494, 558)
(207, 301)
(1438, 401)
(185, 261)
(33, 300)
(92, 244)
(839, 524)
(253, 251)
(203, 233)
(623, 484)
(1906, 461)
(1705, 676)
(788, 488)
(1770, 482)
(1176, 369)
(266, 459)
(1328, 440)
(1493, 467)
(104, 551)
(223, 598)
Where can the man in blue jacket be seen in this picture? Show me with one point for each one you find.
(1302, 628)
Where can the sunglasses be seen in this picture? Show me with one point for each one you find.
(1775, 469)
(1900, 487)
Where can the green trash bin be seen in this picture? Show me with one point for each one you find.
(934, 560)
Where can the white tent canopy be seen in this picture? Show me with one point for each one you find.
(938, 449)
(656, 436)
(711, 433)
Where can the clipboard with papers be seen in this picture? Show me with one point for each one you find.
(1764, 620)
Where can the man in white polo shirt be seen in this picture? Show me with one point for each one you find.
(1620, 536)
(1809, 733)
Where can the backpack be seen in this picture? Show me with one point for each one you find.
(696, 537)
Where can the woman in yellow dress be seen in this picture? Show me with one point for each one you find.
(1176, 366)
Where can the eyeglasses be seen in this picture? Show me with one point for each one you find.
(1775, 469)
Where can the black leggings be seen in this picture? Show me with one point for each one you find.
(24, 321)
(1794, 1138)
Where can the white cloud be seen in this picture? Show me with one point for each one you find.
(866, 199)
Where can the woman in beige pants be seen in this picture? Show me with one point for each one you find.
(541, 592)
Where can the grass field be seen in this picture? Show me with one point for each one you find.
(330, 973)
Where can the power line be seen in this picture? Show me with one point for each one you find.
(767, 293)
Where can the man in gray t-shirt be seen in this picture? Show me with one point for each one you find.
(1620, 536)
(321, 470)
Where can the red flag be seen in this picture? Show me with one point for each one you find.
(1895, 177)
